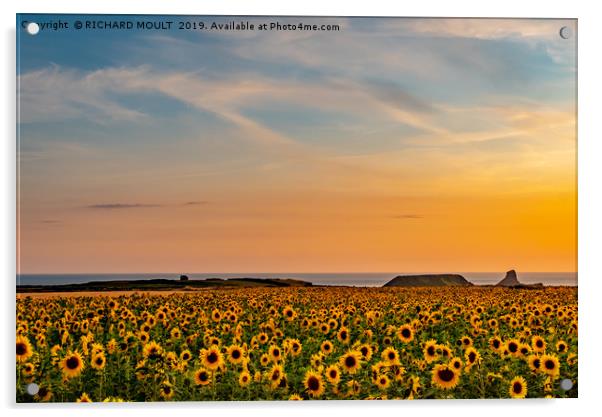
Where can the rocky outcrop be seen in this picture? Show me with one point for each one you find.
(431, 280)
(510, 280)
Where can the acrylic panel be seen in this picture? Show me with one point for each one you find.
(219, 208)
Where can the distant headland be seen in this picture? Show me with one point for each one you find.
(184, 283)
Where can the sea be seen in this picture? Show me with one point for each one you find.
(355, 279)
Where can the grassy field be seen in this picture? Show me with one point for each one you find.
(299, 343)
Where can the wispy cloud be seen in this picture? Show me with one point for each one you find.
(117, 206)
(195, 203)
(407, 216)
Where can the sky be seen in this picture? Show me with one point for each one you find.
(402, 145)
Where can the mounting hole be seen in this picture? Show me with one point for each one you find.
(566, 384)
(33, 389)
(565, 32)
(32, 28)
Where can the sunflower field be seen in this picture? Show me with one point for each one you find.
(298, 344)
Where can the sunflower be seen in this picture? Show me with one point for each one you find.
(288, 313)
(295, 397)
(466, 341)
(513, 347)
(444, 376)
(518, 387)
(176, 333)
(166, 390)
(185, 355)
(44, 394)
(495, 343)
(343, 335)
(244, 379)
(84, 398)
(326, 347)
(390, 356)
(72, 364)
(366, 351)
(382, 381)
(152, 350)
(534, 362)
(98, 361)
(430, 351)
(275, 353)
(333, 374)
(313, 384)
(550, 365)
(263, 338)
(295, 347)
(524, 349)
(456, 364)
(350, 361)
(28, 369)
(275, 375)
(24, 350)
(539, 345)
(212, 358)
(472, 357)
(235, 354)
(265, 359)
(561, 346)
(202, 377)
(353, 388)
(405, 333)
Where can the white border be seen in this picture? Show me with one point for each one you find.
(590, 203)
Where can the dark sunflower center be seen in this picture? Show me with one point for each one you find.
(496, 344)
(212, 357)
(343, 335)
(313, 383)
(445, 375)
(350, 361)
(539, 343)
(391, 355)
(276, 352)
(517, 388)
(550, 364)
(166, 390)
(364, 351)
(536, 363)
(276, 375)
(203, 376)
(512, 347)
(21, 348)
(72, 362)
(99, 361)
(431, 350)
(186, 356)
(289, 313)
(333, 374)
(236, 354)
(406, 333)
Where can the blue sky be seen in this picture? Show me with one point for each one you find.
(111, 117)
